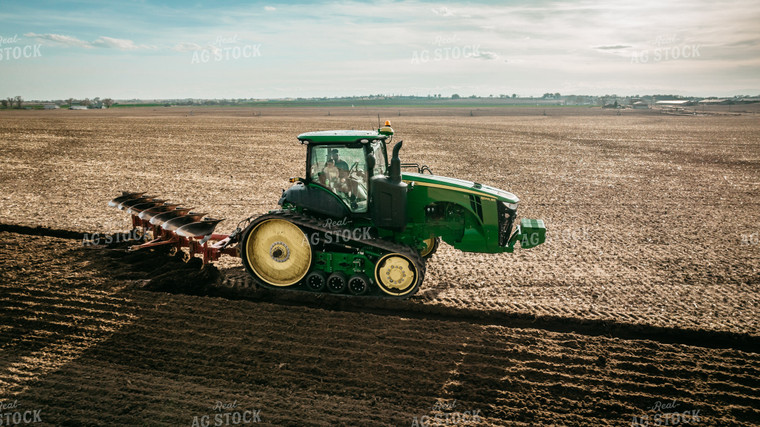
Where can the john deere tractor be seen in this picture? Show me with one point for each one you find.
(355, 224)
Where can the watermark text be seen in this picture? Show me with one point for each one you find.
(666, 47)
(751, 239)
(667, 414)
(447, 414)
(106, 239)
(17, 52)
(10, 415)
(225, 49)
(227, 413)
(445, 49)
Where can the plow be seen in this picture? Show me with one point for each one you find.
(171, 226)
(354, 224)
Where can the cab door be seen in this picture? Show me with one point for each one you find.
(341, 169)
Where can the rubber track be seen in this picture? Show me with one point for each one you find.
(313, 224)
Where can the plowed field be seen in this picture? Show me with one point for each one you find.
(642, 307)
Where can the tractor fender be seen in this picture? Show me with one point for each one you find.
(316, 199)
(455, 223)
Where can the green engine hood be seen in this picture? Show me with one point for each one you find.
(460, 185)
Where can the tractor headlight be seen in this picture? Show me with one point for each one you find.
(511, 206)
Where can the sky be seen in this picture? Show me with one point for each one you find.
(276, 49)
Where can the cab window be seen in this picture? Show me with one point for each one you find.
(378, 152)
(342, 170)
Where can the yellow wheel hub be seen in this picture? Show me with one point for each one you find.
(430, 245)
(278, 252)
(395, 274)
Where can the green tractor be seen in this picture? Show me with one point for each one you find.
(355, 224)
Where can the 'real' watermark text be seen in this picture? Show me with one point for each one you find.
(667, 47)
(11, 415)
(667, 414)
(338, 231)
(16, 51)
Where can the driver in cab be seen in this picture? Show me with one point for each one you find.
(335, 173)
(335, 157)
(337, 176)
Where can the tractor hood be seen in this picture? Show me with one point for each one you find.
(459, 185)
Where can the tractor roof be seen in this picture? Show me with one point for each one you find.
(340, 136)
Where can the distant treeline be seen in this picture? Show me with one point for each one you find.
(547, 100)
(455, 100)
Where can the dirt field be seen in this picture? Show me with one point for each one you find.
(642, 303)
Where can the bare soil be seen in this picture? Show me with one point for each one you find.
(645, 292)
(85, 344)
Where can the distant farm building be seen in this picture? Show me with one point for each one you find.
(674, 103)
(78, 107)
(640, 105)
(50, 107)
(713, 102)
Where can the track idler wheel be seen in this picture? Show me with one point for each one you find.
(398, 274)
(316, 281)
(431, 246)
(337, 282)
(276, 252)
(358, 284)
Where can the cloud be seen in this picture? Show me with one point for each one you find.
(187, 47)
(213, 48)
(751, 42)
(615, 47)
(102, 42)
(443, 11)
(60, 39)
(121, 44)
(486, 55)
(270, 8)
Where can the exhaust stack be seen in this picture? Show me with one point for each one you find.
(395, 171)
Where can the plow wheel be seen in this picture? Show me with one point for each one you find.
(398, 274)
(276, 252)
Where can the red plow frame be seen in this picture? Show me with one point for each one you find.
(172, 225)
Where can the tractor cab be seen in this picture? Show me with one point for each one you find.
(341, 168)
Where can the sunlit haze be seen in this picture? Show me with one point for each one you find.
(150, 50)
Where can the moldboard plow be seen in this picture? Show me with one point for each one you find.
(171, 225)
